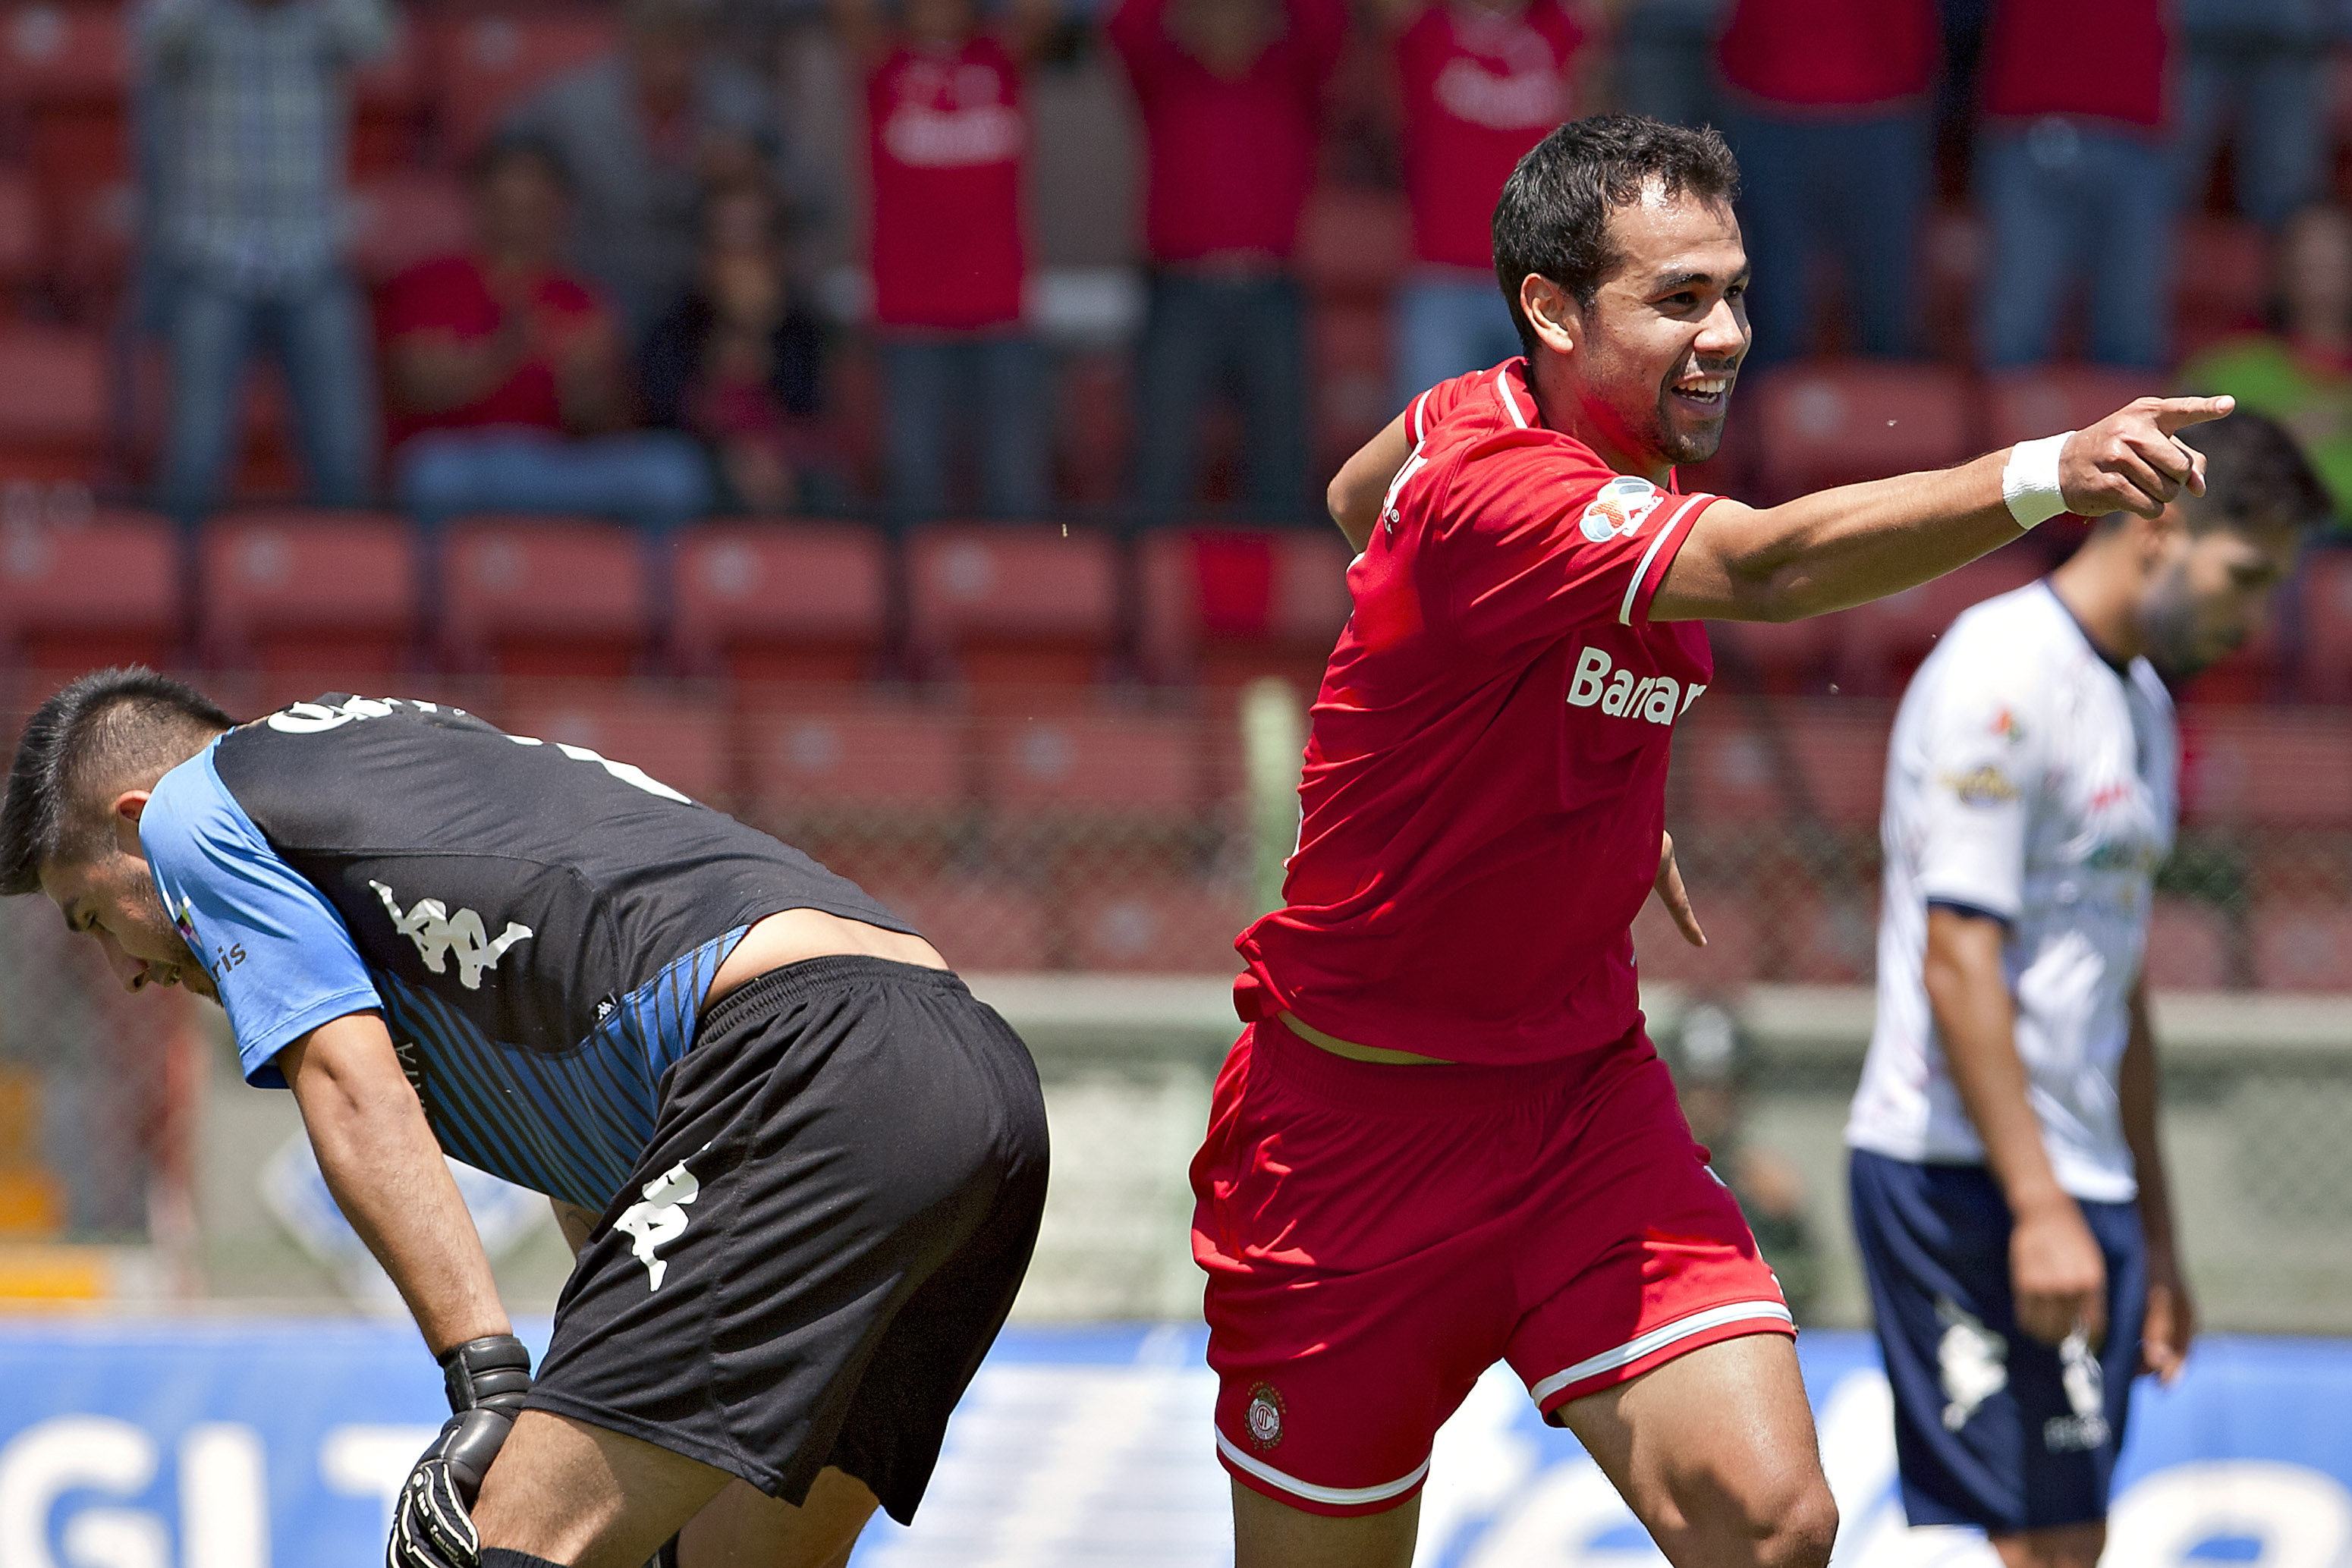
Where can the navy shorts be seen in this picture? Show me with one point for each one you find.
(1992, 1427)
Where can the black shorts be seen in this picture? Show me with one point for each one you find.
(823, 1238)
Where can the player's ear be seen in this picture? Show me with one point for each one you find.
(1553, 311)
(129, 807)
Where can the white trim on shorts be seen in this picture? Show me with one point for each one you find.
(1331, 1496)
(1658, 1339)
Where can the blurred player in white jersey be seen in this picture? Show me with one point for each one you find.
(2009, 1193)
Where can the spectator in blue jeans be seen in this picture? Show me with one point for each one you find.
(1826, 104)
(248, 114)
(2257, 68)
(506, 377)
(2075, 179)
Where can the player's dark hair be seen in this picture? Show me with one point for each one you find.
(108, 731)
(2257, 476)
(1553, 217)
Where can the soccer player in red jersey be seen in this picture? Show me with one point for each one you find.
(1443, 1140)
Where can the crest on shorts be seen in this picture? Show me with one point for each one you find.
(1623, 505)
(1263, 1419)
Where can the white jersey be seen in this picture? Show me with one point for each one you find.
(2029, 780)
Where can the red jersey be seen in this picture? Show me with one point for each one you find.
(1479, 90)
(946, 134)
(1831, 54)
(1485, 782)
(2101, 58)
(1230, 161)
(453, 296)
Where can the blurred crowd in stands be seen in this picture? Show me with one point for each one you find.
(1134, 261)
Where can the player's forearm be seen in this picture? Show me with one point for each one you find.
(2138, 1091)
(1977, 1021)
(1361, 486)
(388, 1176)
(1837, 547)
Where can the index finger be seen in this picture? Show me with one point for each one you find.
(2171, 413)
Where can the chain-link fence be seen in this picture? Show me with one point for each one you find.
(1110, 845)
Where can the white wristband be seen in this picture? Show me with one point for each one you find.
(2030, 483)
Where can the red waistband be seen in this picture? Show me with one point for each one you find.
(1382, 1088)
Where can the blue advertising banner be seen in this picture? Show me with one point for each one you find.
(279, 1443)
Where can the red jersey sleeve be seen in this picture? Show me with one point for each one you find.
(1537, 537)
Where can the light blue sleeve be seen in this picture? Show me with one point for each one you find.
(276, 950)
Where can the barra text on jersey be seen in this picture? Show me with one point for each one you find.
(1660, 699)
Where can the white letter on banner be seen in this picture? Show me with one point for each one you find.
(223, 1497)
(2302, 1517)
(117, 1538)
(372, 1462)
(71, 1453)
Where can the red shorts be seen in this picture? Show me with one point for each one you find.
(1377, 1236)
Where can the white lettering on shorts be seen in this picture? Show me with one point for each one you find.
(660, 1219)
(2086, 1382)
(440, 936)
(1973, 1362)
(1658, 699)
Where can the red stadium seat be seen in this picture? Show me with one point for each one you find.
(2303, 947)
(2188, 947)
(2326, 595)
(544, 596)
(21, 254)
(977, 924)
(1135, 766)
(400, 219)
(1838, 422)
(52, 403)
(2272, 769)
(1881, 643)
(1223, 605)
(1826, 941)
(2021, 406)
(676, 741)
(105, 591)
(1000, 603)
(2223, 272)
(327, 594)
(96, 230)
(1352, 377)
(782, 601)
(1828, 759)
(490, 64)
(1166, 927)
(1840, 751)
(63, 55)
(1783, 656)
(1353, 241)
(1730, 958)
(868, 762)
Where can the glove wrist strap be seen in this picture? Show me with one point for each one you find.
(492, 1370)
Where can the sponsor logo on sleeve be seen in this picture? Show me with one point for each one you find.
(1600, 683)
(1623, 505)
(1985, 786)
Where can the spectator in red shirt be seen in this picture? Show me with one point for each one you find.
(739, 364)
(2075, 178)
(505, 376)
(1230, 91)
(1827, 105)
(1482, 81)
(946, 133)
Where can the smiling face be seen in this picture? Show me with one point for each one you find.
(112, 898)
(1648, 366)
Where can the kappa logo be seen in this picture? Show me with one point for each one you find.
(1972, 1360)
(660, 1219)
(1659, 699)
(440, 936)
(2086, 1382)
(1623, 505)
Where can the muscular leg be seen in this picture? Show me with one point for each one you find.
(1715, 1453)
(588, 1498)
(1269, 1534)
(2062, 1546)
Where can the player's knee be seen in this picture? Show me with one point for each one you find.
(1804, 1531)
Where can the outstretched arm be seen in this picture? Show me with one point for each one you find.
(386, 1170)
(1859, 542)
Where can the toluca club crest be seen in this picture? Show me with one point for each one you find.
(1263, 1417)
